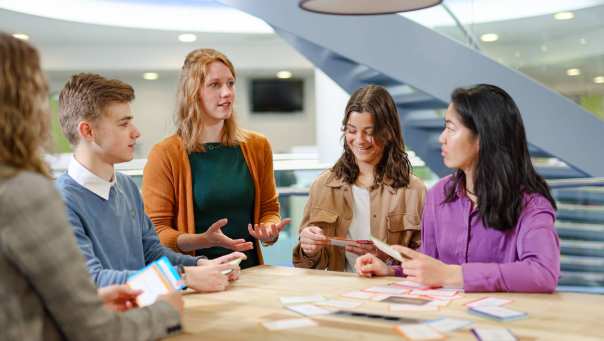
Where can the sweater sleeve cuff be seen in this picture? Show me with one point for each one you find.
(167, 319)
(479, 277)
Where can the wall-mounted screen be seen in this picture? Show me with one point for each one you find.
(273, 95)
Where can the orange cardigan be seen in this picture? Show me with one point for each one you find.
(168, 190)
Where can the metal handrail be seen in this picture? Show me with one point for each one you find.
(577, 182)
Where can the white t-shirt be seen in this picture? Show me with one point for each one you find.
(360, 224)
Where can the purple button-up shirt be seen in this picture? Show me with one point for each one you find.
(523, 259)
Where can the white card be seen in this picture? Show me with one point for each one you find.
(308, 309)
(498, 312)
(488, 301)
(387, 249)
(301, 299)
(152, 284)
(411, 284)
(289, 324)
(493, 334)
(419, 332)
(435, 292)
(411, 307)
(446, 324)
(340, 304)
(387, 290)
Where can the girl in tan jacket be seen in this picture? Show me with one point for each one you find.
(370, 191)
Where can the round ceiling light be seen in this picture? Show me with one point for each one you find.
(365, 7)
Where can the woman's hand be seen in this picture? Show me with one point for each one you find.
(119, 297)
(267, 233)
(429, 271)
(361, 249)
(214, 237)
(370, 265)
(312, 240)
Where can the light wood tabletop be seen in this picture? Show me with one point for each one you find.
(237, 313)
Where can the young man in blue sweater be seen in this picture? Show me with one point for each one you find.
(105, 207)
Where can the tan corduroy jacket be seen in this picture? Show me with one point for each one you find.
(395, 217)
(168, 187)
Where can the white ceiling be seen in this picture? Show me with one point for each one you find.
(69, 46)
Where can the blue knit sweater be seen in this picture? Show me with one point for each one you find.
(116, 236)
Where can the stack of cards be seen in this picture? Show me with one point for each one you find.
(498, 313)
(488, 301)
(419, 332)
(156, 279)
(493, 334)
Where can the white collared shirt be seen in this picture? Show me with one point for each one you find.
(89, 180)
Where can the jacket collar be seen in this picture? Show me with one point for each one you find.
(335, 182)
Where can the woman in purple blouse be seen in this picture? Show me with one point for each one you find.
(490, 225)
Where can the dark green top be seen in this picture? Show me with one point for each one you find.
(223, 188)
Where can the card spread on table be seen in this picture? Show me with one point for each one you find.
(435, 292)
(488, 301)
(419, 332)
(406, 300)
(391, 290)
(365, 295)
(493, 334)
(289, 324)
(445, 325)
(156, 279)
(387, 249)
(498, 313)
(340, 304)
(308, 309)
(342, 242)
(411, 285)
(301, 299)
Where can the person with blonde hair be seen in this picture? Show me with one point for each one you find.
(212, 175)
(46, 291)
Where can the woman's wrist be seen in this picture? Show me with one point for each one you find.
(395, 270)
(454, 277)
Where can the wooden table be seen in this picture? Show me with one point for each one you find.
(236, 313)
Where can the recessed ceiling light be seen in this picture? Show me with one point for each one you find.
(544, 48)
(21, 36)
(150, 76)
(564, 15)
(517, 54)
(583, 41)
(284, 74)
(599, 80)
(573, 72)
(489, 37)
(187, 37)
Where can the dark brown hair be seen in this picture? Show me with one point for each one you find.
(24, 108)
(85, 97)
(504, 172)
(394, 167)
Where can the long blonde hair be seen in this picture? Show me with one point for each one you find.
(189, 112)
(24, 108)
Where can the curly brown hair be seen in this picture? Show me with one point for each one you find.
(24, 108)
(394, 168)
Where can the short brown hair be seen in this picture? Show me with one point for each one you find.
(189, 113)
(85, 97)
(394, 168)
(24, 109)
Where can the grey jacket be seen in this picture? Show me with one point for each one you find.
(45, 290)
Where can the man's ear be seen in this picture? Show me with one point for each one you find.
(85, 131)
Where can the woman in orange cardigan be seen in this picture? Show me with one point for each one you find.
(204, 186)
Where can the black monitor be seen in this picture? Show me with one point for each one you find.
(273, 95)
